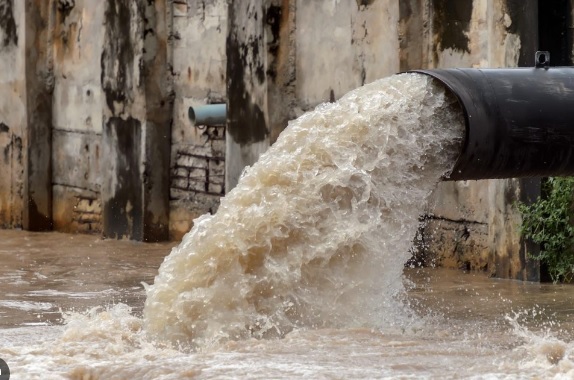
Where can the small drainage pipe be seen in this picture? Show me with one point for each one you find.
(210, 114)
(519, 121)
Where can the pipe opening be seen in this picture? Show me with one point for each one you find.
(518, 121)
(209, 114)
(542, 59)
(456, 106)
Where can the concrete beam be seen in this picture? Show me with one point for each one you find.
(524, 14)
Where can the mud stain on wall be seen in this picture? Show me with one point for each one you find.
(364, 3)
(451, 20)
(123, 212)
(247, 123)
(411, 27)
(8, 24)
(117, 56)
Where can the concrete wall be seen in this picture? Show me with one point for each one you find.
(197, 152)
(13, 113)
(25, 113)
(77, 119)
(94, 132)
(86, 116)
(482, 231)
(303, 54)
(341, 45)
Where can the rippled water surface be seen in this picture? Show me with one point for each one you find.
(43, 274)
(467, 325)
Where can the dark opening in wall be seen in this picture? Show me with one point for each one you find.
(553, 32)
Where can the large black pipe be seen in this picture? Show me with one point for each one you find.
(519, 122)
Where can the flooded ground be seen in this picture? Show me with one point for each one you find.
(299, 274)
(65, 314)
(43, 274)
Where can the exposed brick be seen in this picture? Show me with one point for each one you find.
(180, 183)
(198, 186)
(180, 172)
(218, 148)
(191, 161)
(215, 188)
(216, 167)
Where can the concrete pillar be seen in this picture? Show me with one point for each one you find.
(37, 139)
(157, 58)
(248, 121)
(137, 116)
(123, 111)
(281, 64)
(524, 13)
(77, 116)
(12, 112)
(260, 78)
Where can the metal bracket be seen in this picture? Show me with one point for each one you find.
(542, 59)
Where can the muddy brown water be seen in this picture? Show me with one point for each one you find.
(299, 274)
(64, 315)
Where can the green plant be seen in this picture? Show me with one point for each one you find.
(549, 222)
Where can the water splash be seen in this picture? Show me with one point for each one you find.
(316, 233)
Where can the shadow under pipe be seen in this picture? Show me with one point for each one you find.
(519, 121)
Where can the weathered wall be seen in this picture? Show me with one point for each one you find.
(94, 132)
(86, 120)
(12, 112)
(77, 118)
(481, 231)
(350, 44)
(341, 45)
(197, 152)
(111, 118)
(286, 57)
(25, 118)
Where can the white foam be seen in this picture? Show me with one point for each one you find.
(317, 231)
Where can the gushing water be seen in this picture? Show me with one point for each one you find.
(316, 233)
(310, 246)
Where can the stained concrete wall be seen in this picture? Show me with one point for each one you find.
(351, 44)
(197, 155)
(86, 116)
(25, 113)
(286, 57)
(481, 231)
(12, 113)
(94, 132)
(78, 117)
(341, 45)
